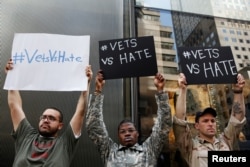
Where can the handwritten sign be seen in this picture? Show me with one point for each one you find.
(48, 62)
(211, 65)
(130, 57)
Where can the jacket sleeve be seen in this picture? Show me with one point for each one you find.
(95, 125)
(162, 125)
(232, 131)
(183, 138)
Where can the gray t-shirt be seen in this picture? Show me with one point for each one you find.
(31, 149)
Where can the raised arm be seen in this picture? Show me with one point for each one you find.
(95, 125)
(78, 117)
(163, 122)
(181, 99)
(159, 82)
(238, 108)
(15, 102)
(99, 82)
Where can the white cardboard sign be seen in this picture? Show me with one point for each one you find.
(48, 62)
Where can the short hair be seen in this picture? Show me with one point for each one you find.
(60, 112)
(126, 121)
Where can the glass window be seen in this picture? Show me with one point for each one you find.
(151, 18)
(168, 57)
(234, 40)
(207, 39)
(231, 31)
(212, 35)
(166, 45)
(214, 43)
(170, 70)
(165, 34)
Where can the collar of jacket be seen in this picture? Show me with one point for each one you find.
(134, 147)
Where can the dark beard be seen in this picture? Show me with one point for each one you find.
(48, 134)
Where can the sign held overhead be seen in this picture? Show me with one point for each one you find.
(48, 62)
(128, 57)
(207, 65)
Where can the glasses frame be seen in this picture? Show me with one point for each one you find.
(49, 118)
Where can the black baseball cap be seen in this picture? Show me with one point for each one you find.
(208, 110)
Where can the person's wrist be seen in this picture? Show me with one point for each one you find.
(183, 88)
(160, 91)
(97, 91)
(237, 91)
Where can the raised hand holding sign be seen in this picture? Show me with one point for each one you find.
(129, 57)
(49, 62)
(207, 65)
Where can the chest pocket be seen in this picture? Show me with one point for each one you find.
(202, 153)
(201, 158)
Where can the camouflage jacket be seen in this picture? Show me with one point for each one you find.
(115, 155)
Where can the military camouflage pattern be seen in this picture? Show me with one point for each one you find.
(115, 155)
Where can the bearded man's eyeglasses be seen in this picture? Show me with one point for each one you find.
(48, 117)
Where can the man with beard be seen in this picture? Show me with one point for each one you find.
(194, 150)
(128, 152)
(44, 147)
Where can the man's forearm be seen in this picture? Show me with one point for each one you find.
(15, 105)
(238, 107)
(78, 117)
(14, 99)
(181, 104)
